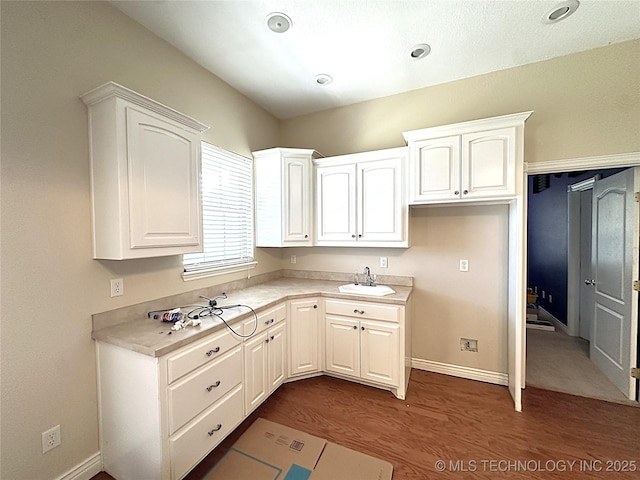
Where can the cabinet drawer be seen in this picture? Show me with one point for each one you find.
(376, 311)
(265, 320)
(201, 436)
(197, 355)
(197, 391)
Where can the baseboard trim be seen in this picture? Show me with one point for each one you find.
(85, 470)
(556, 323)
(459, 371)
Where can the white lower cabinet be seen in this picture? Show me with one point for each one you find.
(264, 365)
(304, 337)
(160, 416)
(367, 341)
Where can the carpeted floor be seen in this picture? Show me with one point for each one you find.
(559, 362)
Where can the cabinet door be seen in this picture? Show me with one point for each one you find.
(163, 162)
(435, 168)
(297, 199)
(277, 356)
(336, 203)
(489, 162)
(303, 337)
(256, 372)
(380, 200)
(380, 352)
(342, 346)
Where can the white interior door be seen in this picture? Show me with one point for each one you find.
(586, 289)
(614, 332)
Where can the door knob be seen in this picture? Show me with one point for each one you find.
(589, 282)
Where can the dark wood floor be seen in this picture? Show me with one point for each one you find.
(470, 426)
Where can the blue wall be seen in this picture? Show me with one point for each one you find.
(547, 240)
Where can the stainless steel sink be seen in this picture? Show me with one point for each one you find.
(374, 290)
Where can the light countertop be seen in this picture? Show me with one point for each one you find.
(151, 337)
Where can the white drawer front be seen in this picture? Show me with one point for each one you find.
(202, 388)
(265, 320)
(192, 357)
(201, 436)
(375, 311)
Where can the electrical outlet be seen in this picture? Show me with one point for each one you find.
(384, 262)
(117, 287)
(293, 259)
(468, 344)
(464, 265)
(51, 439)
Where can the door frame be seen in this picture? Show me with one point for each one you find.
(619, 160)
(573, 254)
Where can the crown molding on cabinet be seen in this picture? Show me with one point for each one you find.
(112, 89)
(616, 160)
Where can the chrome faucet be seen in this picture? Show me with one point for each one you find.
(369, 280)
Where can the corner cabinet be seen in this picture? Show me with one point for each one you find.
(284, 197)
(304, 337)
(361, 199)
(469, 161)
(145, 176)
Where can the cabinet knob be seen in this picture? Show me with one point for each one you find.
(306, 236)
(465, 192)
(457, 192)
(361, 312)
(361, 328)
(353, 236)
(315, 306)
(359, 235)
(212, 351)
(272, 337)
(212, 386)
(214, 430)
(355, 327)
(267, 340)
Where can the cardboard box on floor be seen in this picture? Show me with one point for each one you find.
(269, 451)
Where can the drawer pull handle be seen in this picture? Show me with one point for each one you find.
(212, 351)
(212, 431)
(212, 386)
(361, 312)
(269, 322)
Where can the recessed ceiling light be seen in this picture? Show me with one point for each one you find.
(420, 51)
(323, 79)
(278, 22)
(561, 11)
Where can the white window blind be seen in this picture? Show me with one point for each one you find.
(227, 212)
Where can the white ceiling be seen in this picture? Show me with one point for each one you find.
(365, 45)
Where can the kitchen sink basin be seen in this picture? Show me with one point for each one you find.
(375, 290)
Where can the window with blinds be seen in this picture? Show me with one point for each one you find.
(227, 213)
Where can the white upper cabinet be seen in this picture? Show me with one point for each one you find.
(145, 176)
(284, 197)
(470, 161)
(360, 199)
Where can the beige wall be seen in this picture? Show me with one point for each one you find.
(584, 104)
(51, 54)
(448, 304)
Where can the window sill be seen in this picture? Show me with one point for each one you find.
(213, 272)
